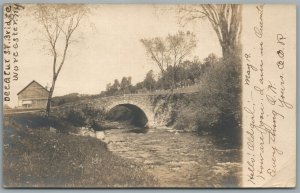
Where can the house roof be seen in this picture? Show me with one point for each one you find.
(30, 84)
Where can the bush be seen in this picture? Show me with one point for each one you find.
(222, 91)
(84, 115)
(187, 120)
(218, 105)
(76, 118)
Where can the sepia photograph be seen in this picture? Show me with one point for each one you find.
(142, 96)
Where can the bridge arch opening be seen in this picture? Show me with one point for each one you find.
(128, 113)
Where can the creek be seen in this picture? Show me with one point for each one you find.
(178, 159)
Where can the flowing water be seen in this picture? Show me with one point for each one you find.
(179, 159)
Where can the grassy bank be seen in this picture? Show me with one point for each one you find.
(35, 157)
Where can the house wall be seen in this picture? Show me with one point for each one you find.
(36, 103)
(34, 94)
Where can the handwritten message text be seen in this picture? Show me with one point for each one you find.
(266, 104)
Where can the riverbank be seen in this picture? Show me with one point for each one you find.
(35, 156)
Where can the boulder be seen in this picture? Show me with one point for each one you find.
(100, 135)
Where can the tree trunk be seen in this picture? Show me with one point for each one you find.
(48, 108)
(163, 78)
(173, 80)
(228, 30)
(230, 50)
(227, 52)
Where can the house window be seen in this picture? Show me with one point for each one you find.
(27, 104)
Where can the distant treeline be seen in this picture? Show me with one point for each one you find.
(72, 97)
(186, 74)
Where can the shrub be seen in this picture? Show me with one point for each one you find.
(84, 115)
(218, 105)
(187, 120)
(76, 117)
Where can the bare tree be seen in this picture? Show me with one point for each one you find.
(59, 21)
(171, 51)
(157, 50)
(225, 20)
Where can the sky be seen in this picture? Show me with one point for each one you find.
(107, 47)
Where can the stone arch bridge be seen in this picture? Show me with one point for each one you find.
(141, 105)
(155, 108)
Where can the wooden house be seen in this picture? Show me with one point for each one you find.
(33, 96)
